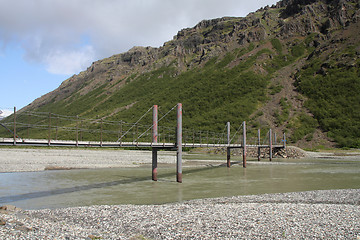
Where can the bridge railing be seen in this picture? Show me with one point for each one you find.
(43, 125)
(51, 126)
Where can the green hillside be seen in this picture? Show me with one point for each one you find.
(279, 68)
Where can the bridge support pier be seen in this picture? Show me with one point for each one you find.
(154, 140)
(14, 126)
(228, 152)
(179, 144)
(244, 144)
(270, 145)
(259, 143)
(228, 163)
(154, 164)
(284, 140)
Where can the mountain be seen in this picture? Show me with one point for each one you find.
(293, 66)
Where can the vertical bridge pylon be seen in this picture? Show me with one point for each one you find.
(178, 144)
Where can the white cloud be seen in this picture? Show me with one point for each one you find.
(69, 62)
(52, 31)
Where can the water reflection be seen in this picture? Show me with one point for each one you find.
(52, 189)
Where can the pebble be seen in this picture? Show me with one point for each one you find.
(323, 214)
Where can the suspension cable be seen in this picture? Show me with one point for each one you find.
(134, 124)
(157, 122)
(266, 138)
(222, 134)
(236, 132)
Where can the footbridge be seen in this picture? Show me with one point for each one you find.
(73, 131)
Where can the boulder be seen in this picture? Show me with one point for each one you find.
(8, 209)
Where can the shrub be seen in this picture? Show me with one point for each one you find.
(276, 45)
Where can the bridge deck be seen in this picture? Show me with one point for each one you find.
(69, 143)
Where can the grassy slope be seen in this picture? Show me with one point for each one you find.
(214, 94)
(211, 95)
(334, 101)
(230, 88)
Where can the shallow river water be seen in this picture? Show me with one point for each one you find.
(70, 188)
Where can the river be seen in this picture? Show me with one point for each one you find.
(109, 186)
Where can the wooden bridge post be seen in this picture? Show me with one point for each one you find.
(137, 135)
(49, 130)
(14, 126)
(207, 138)
(56, 124)
(154, 140)
(29, 117)
(77, 130)
(228, 153)
(81, 126)
(101, 132)
(259, 143)
(284, 140)
(244, 144)
(120, 132)
(270, 145)
(179, 144)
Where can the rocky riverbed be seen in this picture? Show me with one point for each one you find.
(330, 214)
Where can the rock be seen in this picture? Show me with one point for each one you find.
(23, 228)
(92, 237)
(9, 208)
(2, 222)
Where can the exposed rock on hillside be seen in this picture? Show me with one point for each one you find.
(270, 49)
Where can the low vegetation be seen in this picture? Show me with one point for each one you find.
(224, 70)
(334, 100)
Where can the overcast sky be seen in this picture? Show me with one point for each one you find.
(43, 42)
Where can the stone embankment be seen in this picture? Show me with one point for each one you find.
(288, 152)
(329, 214)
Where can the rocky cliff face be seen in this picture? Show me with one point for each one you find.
(210, 38)
(275, 42)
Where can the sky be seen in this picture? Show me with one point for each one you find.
(44, 42)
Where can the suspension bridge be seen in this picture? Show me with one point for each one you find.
(73, 131)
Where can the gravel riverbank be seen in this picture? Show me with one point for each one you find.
(39, 159)
(328, 214)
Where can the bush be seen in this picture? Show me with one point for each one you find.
(303, 125)
(334, 100)
(276, 45)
